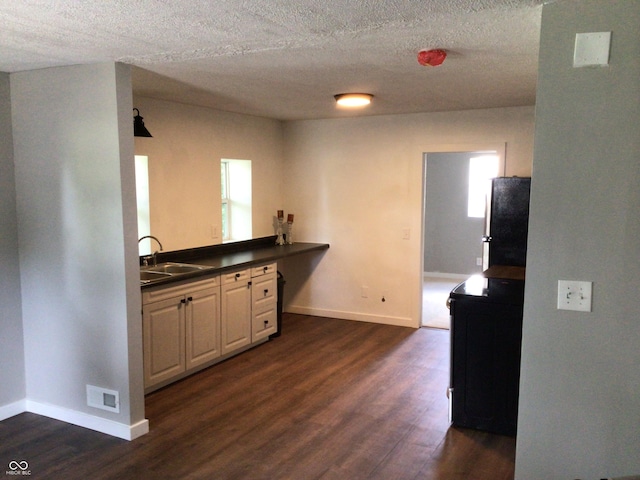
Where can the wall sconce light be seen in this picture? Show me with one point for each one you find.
(139, 130)
(352, 100)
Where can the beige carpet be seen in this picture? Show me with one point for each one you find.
(435, 292)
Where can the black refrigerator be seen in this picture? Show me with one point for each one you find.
(507, 220)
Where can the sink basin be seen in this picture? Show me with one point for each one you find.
(167, 270)
(173, 268)
(147, 276)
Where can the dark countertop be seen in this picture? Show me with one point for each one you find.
(233, 256)
(498, 284)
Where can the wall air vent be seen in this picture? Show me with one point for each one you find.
(103, 398)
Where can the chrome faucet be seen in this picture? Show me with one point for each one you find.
(145, 260)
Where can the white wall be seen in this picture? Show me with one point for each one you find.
(184, 169)
(579, 412)
(12, 378)
(357, 184)
(75, 195)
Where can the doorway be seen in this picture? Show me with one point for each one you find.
(455, 183)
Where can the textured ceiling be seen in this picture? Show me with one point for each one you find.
(286, 59)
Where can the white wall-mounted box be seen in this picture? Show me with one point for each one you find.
(592, 49)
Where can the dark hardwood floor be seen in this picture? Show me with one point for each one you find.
(329, 399)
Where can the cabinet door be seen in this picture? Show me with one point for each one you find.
(264, 307)
(202, 326)
(236, 315)
(163, 337)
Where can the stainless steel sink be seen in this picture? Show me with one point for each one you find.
(173, 268)
(167, 270)
(147, 276)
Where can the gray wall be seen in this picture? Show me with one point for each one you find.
(75, 201)
(12, 378)
(452, 240)
(579, 411)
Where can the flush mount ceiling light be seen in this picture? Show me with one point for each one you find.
(431, 58)
(353, 99)
(139, 130)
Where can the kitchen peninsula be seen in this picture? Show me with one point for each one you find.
(203, 305)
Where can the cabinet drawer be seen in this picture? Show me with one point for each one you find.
(238, 276)
(264, 323)
(264, 290)
(264, 269)
(174, 290)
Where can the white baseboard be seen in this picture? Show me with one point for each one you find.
(361, 317)
(12, 409)
(99, 424)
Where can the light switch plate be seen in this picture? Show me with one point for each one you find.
(574, 295)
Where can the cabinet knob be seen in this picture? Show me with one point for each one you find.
(264, 269)
(266, 290)
(190, 299)
(184, 300)
(237, 276)
(266, 322)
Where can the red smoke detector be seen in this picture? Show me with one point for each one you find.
(431, 58)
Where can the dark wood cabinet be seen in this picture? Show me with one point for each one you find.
(486, 335)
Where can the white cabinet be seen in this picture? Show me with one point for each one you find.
(249, 306)
(236, 310)
(264, 299)
(181, 329)
(163, 338)
(202, 327)
(191, 325)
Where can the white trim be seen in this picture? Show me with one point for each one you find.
(138, 429)
(103, 425)
(12, 409)
(360, 317)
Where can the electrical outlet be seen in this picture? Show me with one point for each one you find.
(574, 295)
